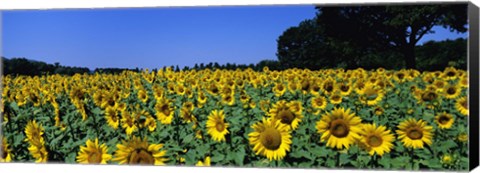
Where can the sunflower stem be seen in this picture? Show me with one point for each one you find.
(338, 158)
(411, 157)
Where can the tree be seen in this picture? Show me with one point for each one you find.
(367, 29)
(304, 46)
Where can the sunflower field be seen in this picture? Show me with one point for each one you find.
(332, 118)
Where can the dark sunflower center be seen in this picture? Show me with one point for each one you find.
(165, 110)
(95, 157)
(220, 126)
(400, 75)
(374, 141)
(243, 97)
(130, 122)
(4, 152)
(271, 138)
(336, 97)
(35, 98)
(451, 91)
(141, 156)
(429, 96)
(305, 85)
(415, 133)
(111, 102)
(280, 87)
(443, 119)
(315, 88)
(319, 101)
(451, 74)
(465, 104)
(214, 90)
(339, 128)
(286, 116)
(328, 87)
(344, 88)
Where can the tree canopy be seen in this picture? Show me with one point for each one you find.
(366, 36)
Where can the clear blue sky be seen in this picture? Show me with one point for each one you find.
(154, 37)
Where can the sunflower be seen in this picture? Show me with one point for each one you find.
(264, 105)
(279, 89)
(38, 151)
(340, 128)
(201, 99)
(270, 138)
(377, 139)
(158, 92)
(372, 95)
(378, 110)
(206, 162)
(164, 111)
(463, 82)
(429, 95)
(315, 88)
(213, 89)
(128, 122)
(112, 117)
(120, 106)
(450, 73)
(187, 115)
(447, 159)
(228, 99)
(188, 105)
(137, 151)
(463, 137)
(328, 85)
(336, 98)
(444, 120)
(6, 152)
(150, 123)
(439, 85)
(142, 95)
(93, 153)
(415, 134)
(216, 126)
(462, 106)
(305, 86)
(288, 113)
(293, 86)
(344, 88)
(400, 76)
(319, 102)
(33, 131)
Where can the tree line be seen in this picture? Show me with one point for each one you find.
(431, 56)
(375, 36)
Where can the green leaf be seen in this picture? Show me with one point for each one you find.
(217, 157)
(330, 163)
(97, 111)
(70, 158)
(187, 139)
(240, 156)
(18, 139)
(14, 106)
(190, 157)
(385, 162)
(344, 159)
(320, 151)
(54, 142)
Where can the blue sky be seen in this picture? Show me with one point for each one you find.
(154, 37)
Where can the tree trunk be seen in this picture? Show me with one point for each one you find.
(409, 56)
